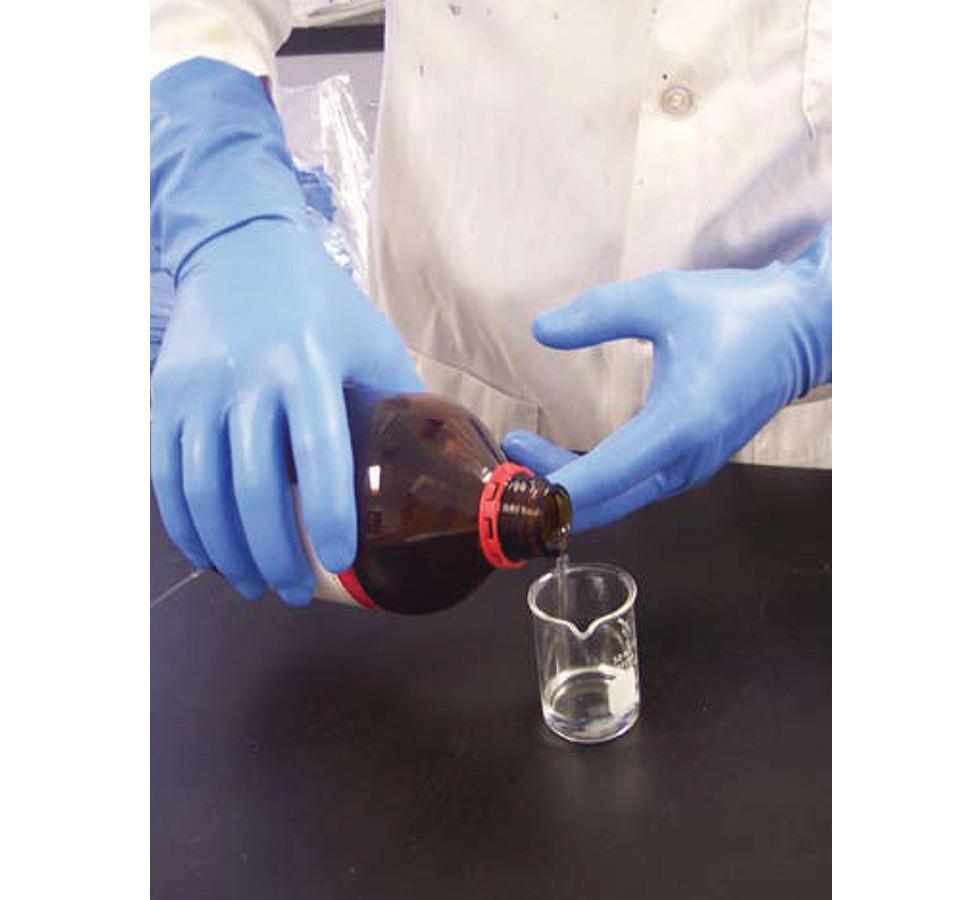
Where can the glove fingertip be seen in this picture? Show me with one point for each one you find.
(297, 595)
(336, 546)
(194, 552)
(549, 328)
(337, 556)
(250, 589)
(567, 327)
(516, 439)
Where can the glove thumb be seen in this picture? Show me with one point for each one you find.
(532, 450)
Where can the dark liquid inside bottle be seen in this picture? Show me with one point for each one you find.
(422, 468)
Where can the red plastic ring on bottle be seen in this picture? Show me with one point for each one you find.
(493, 491)
(352, 584)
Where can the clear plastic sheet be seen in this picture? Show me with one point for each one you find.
(307, 13)
(329, 143)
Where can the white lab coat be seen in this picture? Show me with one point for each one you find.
(527, 151)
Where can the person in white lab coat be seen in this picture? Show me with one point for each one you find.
(550, 180)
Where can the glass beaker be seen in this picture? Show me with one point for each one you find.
(585, 642)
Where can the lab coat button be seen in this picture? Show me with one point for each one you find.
(676, 100)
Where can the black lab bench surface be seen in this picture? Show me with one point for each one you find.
(327, 752)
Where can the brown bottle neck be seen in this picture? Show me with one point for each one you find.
(535, 519)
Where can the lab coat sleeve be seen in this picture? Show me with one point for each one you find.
(242, 33)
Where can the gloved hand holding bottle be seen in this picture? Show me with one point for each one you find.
(265, 331)
(731, 348)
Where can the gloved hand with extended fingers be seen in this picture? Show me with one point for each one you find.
(265, 331)
(731, 348)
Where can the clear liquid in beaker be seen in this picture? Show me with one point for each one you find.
(591, 704)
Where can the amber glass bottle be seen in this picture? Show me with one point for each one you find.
(438, 506)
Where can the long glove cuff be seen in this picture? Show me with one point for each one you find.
(218, 158)
(813, 329)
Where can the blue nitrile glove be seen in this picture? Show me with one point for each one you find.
(732, 347)
(161, 307)
(265, 331)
